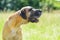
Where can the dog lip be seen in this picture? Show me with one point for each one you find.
(33, 20)
(36, 17)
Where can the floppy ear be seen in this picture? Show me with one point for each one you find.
(23, 14)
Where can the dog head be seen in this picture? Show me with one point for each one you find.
(31, 14)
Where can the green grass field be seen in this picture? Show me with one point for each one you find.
(48, 28)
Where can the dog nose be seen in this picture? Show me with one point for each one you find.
(39, 11)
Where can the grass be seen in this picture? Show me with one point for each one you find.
(48, 27)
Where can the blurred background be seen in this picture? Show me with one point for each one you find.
(45, 5)
(48, 27)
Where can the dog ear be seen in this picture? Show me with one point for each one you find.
(23, 14)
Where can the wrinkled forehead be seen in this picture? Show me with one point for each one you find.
(27, 8)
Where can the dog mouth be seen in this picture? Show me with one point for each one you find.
(33, 20)
(34, 16)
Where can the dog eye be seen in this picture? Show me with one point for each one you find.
(30, 9)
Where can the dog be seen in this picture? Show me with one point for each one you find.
(12, 29)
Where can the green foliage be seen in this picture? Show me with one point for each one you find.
(18, 4)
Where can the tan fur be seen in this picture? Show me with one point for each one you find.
(12, 29)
